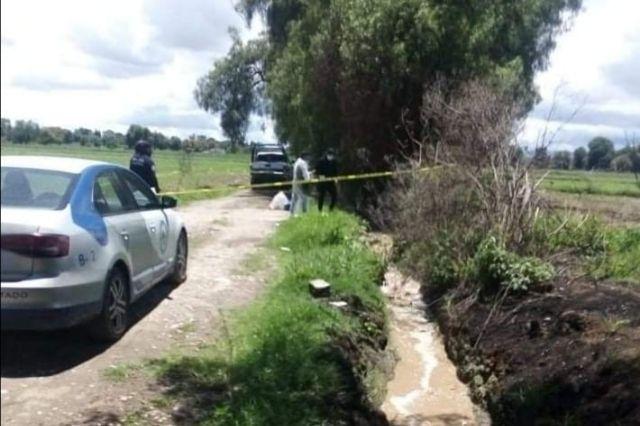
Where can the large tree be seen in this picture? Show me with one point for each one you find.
(351, 73)
(601, 152)
(233, 87)
(136, 133)
(634, 156)
(6, 129)
(561, 160)
(541, 158)
(25, 131)
(580, 158)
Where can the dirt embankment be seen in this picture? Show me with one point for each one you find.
(570, 356)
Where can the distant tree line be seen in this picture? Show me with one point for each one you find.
(600, 154)
(27, 131)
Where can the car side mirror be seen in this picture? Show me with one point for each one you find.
(168, 202)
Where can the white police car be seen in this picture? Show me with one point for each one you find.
(81, 241)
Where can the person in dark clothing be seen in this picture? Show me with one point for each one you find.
(142, 164)
(327, 168)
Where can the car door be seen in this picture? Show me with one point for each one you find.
(122, 216)
(155, 218)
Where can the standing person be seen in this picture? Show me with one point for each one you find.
(327, 168)
(298, 190)
(142, 164)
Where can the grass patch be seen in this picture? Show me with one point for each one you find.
(135, 418)
(120, 373)
(291, 359)
(588, 182)
(205, 171)
(607, 252)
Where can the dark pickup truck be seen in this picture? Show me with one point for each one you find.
(269, 164)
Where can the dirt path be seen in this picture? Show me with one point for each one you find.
(58, 378)
(425, 389)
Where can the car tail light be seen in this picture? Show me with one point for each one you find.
(36, 245)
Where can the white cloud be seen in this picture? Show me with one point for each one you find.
(107, 64)
(104, 64)
(595, 70)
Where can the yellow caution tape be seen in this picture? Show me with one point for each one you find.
(336, 179)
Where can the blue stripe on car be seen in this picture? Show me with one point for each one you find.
(83, 211)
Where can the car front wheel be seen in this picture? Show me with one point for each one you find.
(113, 320)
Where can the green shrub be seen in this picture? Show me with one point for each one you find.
(494, 267)
(621, 260)
(606, 252)
(587, 236)
(433, 262)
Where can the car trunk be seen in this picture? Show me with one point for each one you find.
(16, 223)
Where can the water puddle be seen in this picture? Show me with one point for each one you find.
(425, 389)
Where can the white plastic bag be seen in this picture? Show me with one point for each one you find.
(279, 202)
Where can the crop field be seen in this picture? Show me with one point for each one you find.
(176, 171)
(588, 182)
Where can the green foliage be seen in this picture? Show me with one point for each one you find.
(592, 182)
(341, 73)
(621, 259)
(280, 365)
(207, 170)
(30, 133)
(6, 129)
(622, 163)
(318, 231)
(541, 158)
(495, 267)
(233, 87)
(136, 133)
(24, 131)
(587, 236)
(606, 252)
(561, 160)
(580, 158)
(434, 263)
(601, 152)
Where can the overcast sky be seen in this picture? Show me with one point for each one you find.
(105, 65)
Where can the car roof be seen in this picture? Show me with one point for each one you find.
(60, 164)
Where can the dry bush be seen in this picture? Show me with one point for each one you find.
(477, 185)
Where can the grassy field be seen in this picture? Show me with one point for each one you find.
(599, 183)
(176, 171)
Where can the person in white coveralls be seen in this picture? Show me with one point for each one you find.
(299, 191)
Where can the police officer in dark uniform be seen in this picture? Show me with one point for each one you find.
(327, 168)
(142, 164)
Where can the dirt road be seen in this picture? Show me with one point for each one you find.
(59, 378)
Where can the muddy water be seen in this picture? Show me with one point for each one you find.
(425, 389)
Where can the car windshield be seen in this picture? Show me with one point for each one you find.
(270, 157)
(35, 188)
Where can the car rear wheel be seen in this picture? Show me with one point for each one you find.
(113, 320)
(179, 274)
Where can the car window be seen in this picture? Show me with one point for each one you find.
(108, 197)
(35, 188)
(142, 194)
(271, 157)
